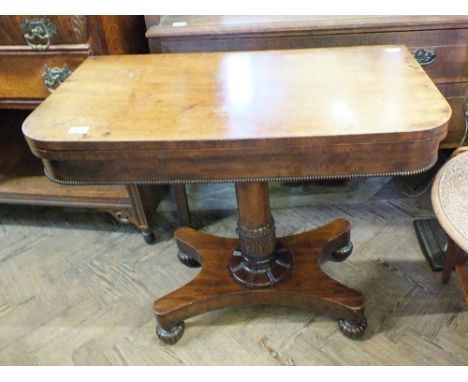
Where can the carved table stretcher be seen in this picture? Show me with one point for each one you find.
(247, 118)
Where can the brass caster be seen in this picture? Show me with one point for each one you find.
(187, 260)
(352, 330)
(171, 336)
(342, 253)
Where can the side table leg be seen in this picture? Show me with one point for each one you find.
(145, 200)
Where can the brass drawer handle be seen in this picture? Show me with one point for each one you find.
(425, 56)
(53, 77)
(38, 32)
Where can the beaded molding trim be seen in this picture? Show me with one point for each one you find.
(241, 180)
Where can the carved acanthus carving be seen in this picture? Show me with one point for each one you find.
(258, 241)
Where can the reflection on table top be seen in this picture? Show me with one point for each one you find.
(231, 97)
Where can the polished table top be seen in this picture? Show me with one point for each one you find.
(290, 107)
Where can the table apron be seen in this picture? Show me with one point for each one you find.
(186, 166)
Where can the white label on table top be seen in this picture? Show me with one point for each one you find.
(78, 130)
(179, 24)
(393, 50)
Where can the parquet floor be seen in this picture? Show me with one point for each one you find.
(76, 288)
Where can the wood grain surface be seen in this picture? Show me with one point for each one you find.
(443, 37)
(171, 25)
(308, 287)
(233, 97)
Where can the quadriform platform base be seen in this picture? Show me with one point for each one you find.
(288, 273)
(247, 118)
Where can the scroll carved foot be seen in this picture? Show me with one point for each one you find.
(352, 330)
(187, 260)
(172, 335)
(342, 253)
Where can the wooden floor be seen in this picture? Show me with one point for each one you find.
(77, 288)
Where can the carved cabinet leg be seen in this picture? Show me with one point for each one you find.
(143, 203)
(144, 200)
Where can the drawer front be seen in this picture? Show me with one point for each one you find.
(457, 97)
(31, 77)
(39, 32)
(450, 63)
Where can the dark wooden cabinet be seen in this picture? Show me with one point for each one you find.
(440, 44)
(56, 30)
(37, 53)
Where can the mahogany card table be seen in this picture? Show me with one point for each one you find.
(247, 118)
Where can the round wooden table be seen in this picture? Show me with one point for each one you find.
(450, 203)
(450, 199)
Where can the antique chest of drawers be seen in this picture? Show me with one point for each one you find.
(440, 44)
(37, 53)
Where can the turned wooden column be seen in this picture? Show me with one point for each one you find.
(259, 261)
